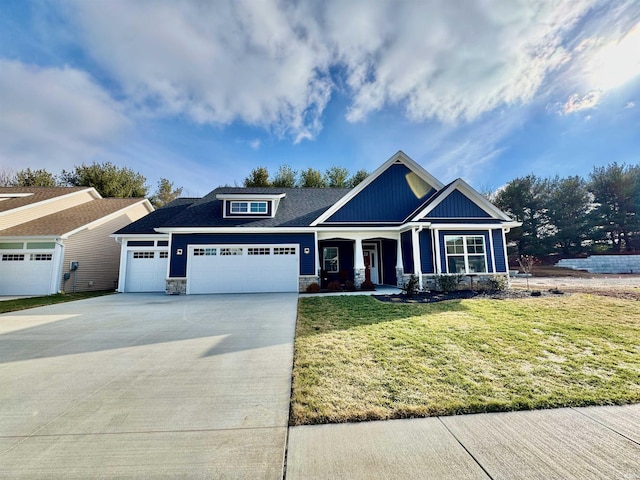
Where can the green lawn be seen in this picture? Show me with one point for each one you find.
(360, 359)
(24, 303)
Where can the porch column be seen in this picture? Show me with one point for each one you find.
(399, 263)
(358, 263)
(415, 240)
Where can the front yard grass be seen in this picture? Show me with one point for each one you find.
(360, 359)
(32, 302)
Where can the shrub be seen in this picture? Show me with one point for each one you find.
(334, 286)
(313, 288)
(411, 286)
(448, 282)
(497, 284)
(367, 285)
(349, 286)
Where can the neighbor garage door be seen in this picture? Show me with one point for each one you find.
(146, 271)
(242, 268)
(25, 273)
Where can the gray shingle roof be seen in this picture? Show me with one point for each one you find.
(298, 208)
(146, 224)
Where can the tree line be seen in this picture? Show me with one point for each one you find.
(570, 215)
(108, 179)
(574, 215)
(286, 177)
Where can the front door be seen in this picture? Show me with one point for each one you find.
(371, 264)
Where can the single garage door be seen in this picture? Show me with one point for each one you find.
(146, 271)
(25, 273)
(242, 268)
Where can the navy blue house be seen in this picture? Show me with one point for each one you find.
(399, 221)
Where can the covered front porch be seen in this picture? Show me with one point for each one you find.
(360, 257)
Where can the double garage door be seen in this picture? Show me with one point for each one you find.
(242, 268)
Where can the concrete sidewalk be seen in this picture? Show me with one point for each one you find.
(567, 443)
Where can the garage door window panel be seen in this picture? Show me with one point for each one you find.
(12, 257)
(230, 251)
(258, 251)
(41, 257)
(143, 254)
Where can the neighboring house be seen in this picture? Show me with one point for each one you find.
(399, 221)
(44, 230)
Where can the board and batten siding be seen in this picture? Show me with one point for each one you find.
(97, 253)
(33, 212)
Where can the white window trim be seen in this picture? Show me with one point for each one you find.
(466, 254)
(337, 259)
(249, 204)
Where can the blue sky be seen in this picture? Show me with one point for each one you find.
(202, 92)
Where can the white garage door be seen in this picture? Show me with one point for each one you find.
(146, 271)
(242, 268)
(25, 273)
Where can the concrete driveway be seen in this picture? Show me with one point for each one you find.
(147, 386)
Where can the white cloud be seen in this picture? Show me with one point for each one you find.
(438, 60)
(216, 62)
(577, 102)
(272, 63)
(53, 115)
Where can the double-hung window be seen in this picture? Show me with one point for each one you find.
(466, 254)
(330, 259)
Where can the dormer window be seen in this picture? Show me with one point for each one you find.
(246, 205)
(249, 207)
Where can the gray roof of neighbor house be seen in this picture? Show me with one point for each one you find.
(70, 219)
(158, 217)
(38, 194)
(298, 208)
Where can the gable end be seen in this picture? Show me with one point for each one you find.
(457, 205)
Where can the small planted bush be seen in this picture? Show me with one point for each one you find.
(349, 286)
(313, 288)
(448, 283)
(411, 286)
(367, 285)
(497, 284)
(334, 286)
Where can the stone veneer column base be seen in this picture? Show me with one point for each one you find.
(304, 282)
(358, 277)
(400, 277)
(176, 286)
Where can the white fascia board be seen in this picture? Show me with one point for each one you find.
(250, 196)
(470, 226)
(102, 220)
(142, 236)
(399, 157)
(92, 191)
(170, 230)
(471, 194)
(27, 238)
(253, 230)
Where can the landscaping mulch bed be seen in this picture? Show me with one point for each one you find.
(432, 297)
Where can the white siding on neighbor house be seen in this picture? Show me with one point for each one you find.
(32, 212)
(98, 254)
